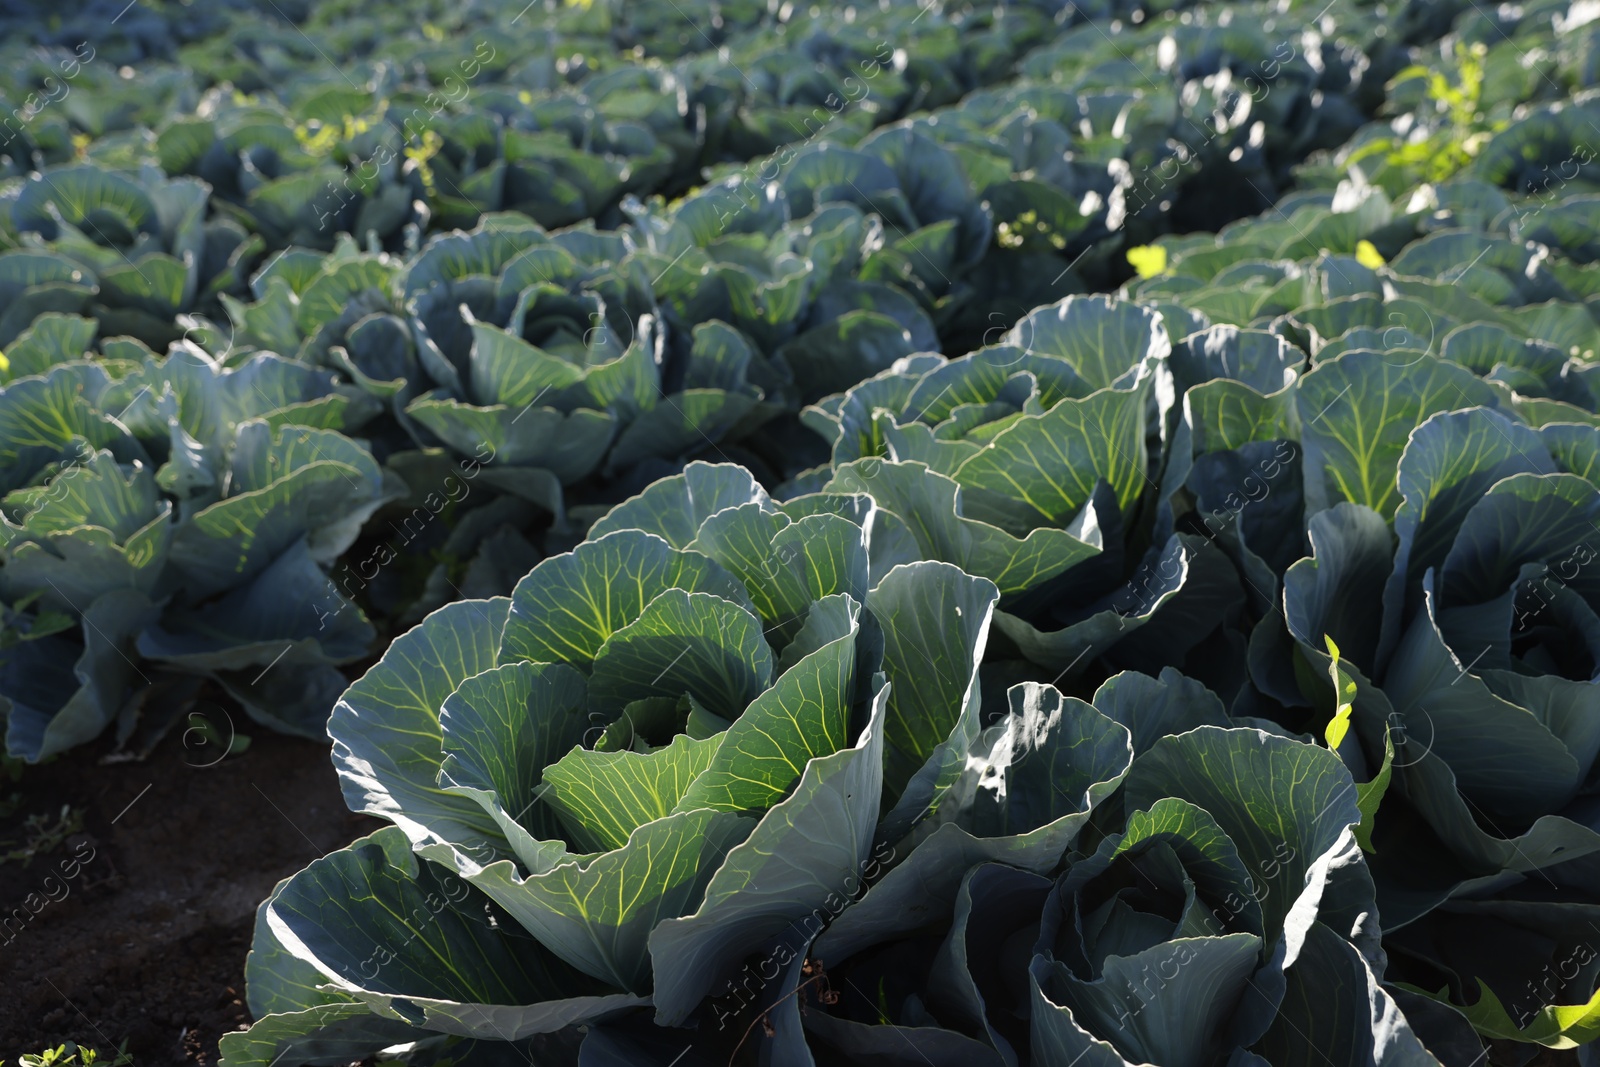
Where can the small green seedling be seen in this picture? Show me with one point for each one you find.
(73, 1055)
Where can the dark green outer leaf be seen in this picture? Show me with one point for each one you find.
(1338, 591)
(996, 908)
(1046, 466)
(929, 503)
(1526, 518)
(1169, 1004)
(1057, 1036)
(1285, 804)
(329, 1034)
(897, 1046)
(568, 444)
(414, 946)
(387, 741)
(103, 673)
(1335, 1011)
(500, 730)
(935, 621)
(1105, 340)
(598, 913)
(1152, 708)
(1502, 758)
(278, 981)
(1358, 411)
(1450, 462)
(1053, 758)
(674, 508)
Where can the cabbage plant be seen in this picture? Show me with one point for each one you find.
(138, 249)
(726, 779)
(175, 520)
(1033, 463)
(1463, 612)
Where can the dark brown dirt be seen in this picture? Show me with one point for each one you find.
(146, 943)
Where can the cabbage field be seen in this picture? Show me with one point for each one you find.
(1009, 533)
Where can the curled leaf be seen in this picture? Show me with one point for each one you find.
(1345, 694)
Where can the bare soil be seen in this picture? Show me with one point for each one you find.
(145, 941)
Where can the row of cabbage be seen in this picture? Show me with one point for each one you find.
(542, 372)
(412, 146)
(126, 257)
(356, 139)
(1106, 698)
